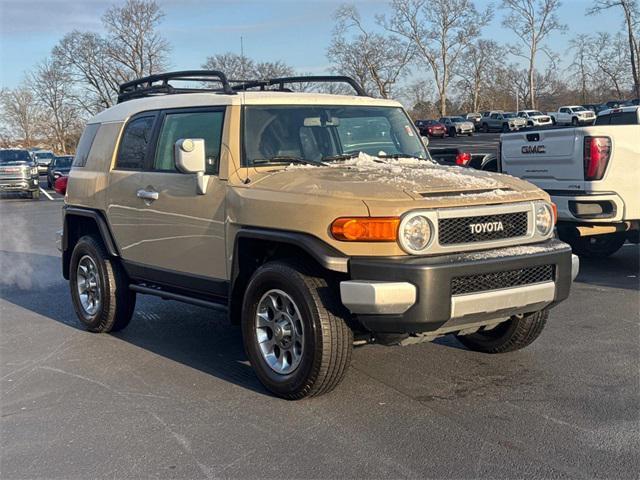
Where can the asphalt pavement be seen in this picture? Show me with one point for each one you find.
(173, 395)
(478, 143)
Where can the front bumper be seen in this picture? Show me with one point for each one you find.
(414, 294)
(19, 184)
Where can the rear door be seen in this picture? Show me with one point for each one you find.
(551, 159)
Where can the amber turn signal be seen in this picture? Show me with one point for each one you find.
(366, 229)
(554, 208)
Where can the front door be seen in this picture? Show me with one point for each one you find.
(184, 234)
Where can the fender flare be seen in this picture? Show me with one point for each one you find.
(103, 227)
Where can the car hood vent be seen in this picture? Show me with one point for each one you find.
(457, 193)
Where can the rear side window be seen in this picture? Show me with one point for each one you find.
(204, 124)
(620, 118)
(84, 145)
(135, 143)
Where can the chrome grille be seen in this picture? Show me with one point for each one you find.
(498, 280)
(458, 230)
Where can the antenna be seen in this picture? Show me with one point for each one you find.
(241, 47)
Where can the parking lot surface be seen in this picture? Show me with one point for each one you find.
(173, 395)
(478, 143)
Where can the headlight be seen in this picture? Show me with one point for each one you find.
(544, 218)
(415, 233)
(56, 174)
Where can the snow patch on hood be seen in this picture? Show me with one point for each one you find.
(410, 173)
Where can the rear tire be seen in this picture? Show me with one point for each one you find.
(505, 128)
(35, 195)
(509, 336)
(598, 246)
(485, 128)
(107, 303)
(311, 357)
(574, 122)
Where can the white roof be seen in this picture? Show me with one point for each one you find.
(124, 110)
(628, 108)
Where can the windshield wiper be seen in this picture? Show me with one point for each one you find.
(285, 159)
(340, 156)
(396, 155)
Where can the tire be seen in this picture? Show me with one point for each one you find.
(574, 122)
(505, 128)
(597, 246)
(509, 336)
(116, 301)
(35, 195)
(452, 132)
(553, 121)
(324, 349)
(485, 128)
(470, 134)
(49, 184)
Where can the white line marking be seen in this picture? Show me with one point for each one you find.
(46, 194)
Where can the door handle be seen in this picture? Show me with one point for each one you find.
(146, 195)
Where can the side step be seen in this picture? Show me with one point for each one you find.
(158, 292)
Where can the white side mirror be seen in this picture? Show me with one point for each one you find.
(189, 155)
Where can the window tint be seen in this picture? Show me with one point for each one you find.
(619, 118)
(84, 145)
(133, 147)
(206, 125)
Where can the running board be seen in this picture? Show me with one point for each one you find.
(176, 296)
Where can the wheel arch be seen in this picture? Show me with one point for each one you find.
(254, 247)
(77, 222)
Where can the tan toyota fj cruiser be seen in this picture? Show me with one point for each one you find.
(316, 221)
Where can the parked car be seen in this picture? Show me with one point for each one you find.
(632, 102)
(19, 173)
(42, 158)
(592, 175)
(237, 203)
(614, 103)
(502, 122)
(59, 167)
(596, 107)
(431, 128)
(573, 115)
(60, 185)
(475, 118)
(535, 118)
(457, 126)
(450, 156)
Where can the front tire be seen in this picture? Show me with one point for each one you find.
(574, 122)
(452, 132)
(35, 195)
(514, 334)
(485, 128)
(99, 288)
(294, 331)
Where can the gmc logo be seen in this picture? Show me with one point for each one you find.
(533, 149)
(487, 227)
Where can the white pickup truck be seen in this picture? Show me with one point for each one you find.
(572, 115)
(592, 174)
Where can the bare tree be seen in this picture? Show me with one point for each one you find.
(240, 67)
(440, 31)
(532, 21)
(99, 64)
(377, 61)
(608, 54)
(476, 68)
(22, 114)
(51, 86)
(133, 42)
(581, 67)
(631, 12)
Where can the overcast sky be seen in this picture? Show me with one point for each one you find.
(296, 32)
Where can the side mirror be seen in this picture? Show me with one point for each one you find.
(190, 158)
(425, 141)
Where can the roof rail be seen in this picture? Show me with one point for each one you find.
(262, 84)
(158, 84)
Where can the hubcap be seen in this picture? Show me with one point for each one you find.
(88, 284)
(279, 331)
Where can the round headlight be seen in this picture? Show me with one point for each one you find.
(544, 219)
(415, 233)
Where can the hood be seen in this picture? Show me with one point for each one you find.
(370, 178)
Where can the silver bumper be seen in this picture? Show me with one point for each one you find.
(370, 298)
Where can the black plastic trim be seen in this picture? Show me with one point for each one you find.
(103, 227)
(167, 295)
(432, 277)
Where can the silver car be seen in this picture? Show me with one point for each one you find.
(503, 122)
(457, 126)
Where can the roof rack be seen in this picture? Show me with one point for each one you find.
(148, 86)
(282, 81)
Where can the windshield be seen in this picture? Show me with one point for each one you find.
(579, 109)
(41, 155)
(9, 156)
(509, 115)
(535, 113)
(63, 162)
(457, 119)
(281, 134)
